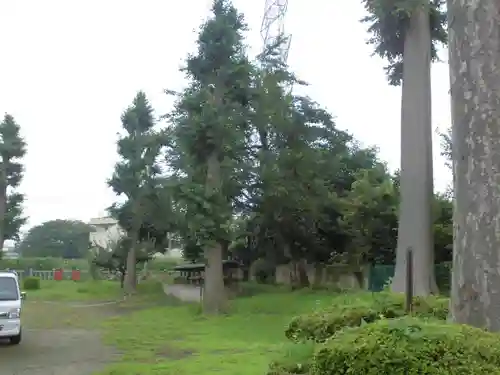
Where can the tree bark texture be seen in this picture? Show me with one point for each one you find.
(131, 274)
(415, 216)
(214, 296)
(474, 51)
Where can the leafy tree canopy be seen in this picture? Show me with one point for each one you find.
(12, 150)
(57, 238)
(136, 178)
(389, 21)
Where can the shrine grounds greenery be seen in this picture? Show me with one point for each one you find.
(271, 330)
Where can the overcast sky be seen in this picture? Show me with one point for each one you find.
(69, 68)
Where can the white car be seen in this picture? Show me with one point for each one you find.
(10, 307)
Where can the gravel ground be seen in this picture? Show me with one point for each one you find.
(186, 293)
(55, 352)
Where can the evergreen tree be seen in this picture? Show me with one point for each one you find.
(135, 175)
(209, 138)
(12, 150)
(405, 32)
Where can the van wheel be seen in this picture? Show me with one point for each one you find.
(15, 340)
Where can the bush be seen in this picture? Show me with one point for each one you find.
(321, 325)
(409, 346)
(31, 283)
(296, 360)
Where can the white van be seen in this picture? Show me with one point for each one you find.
(10, 307)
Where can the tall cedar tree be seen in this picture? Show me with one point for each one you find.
(209, 134)
(405, 33)
(134, 175)
(12, 150)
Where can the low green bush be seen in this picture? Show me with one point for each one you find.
(320, 325)
(31, 283)
(295, 360)
(409, 346)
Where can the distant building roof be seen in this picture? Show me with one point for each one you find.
(107, 220)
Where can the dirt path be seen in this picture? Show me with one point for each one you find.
(55, 352)
(186, 293)
(58, 339)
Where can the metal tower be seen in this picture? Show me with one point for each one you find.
(273, 25)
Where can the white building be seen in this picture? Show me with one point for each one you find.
(106, 231)
(9, 250)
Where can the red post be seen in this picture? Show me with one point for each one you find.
(75, 275)
(58, 274)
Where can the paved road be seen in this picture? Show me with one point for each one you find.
(55, 352)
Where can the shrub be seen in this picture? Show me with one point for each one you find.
(31, 283)
(296, 360)
(321, 325)
(409, 346)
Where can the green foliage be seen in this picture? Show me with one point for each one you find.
(389, 21)
(12, 150)
(209, 128)
(297, 359)
(31, 283)
(258, 170)
(446, 146)
(114, 258)
(409, 346)
(323, 324)
(136, 177)
(370, 217)
(443, 228)
(303, 167)
(14, 218)
(56, 238)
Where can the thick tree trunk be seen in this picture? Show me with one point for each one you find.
(131, 274)
(475, 92)
(214, 297)
(415, 216)
(122, 278)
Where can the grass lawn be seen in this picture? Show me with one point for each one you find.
(157, 335)
(86, 304)
(76, 291)
(178, 340)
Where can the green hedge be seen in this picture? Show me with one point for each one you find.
(409, 346)
(296, 359)
(31, 283)
(43, 264)
(320, 325)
